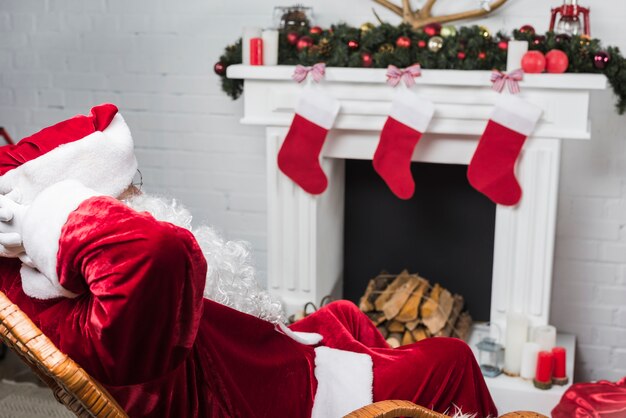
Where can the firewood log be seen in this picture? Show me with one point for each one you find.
(394, 340)
(392, 307)
(463, 326)
(391, 289)
(439, 318)
(430, 304)
(383, 330)
(395, 326)
(420, 333)
(410, 310)
(407, 338)
(457, 307)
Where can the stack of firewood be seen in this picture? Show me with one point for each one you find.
(406, 309)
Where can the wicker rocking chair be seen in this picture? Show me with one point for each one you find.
(81, 394)
(71, 385)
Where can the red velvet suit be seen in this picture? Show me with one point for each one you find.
(141, 326)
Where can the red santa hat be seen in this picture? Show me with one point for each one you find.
(96, 150)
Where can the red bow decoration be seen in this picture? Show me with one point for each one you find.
(408, 75)
(318, 71)
(512, 79)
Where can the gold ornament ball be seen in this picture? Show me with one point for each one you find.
(386, 48)
(484, 32)
(448, 31)
(366, 27)
(435, 43)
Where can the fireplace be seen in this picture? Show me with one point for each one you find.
(306, 233)
(445, 232)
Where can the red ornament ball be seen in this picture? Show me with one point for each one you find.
(527, 29)
(556, 61)
(421, 43)
(461, 55)
(432, 29)
(304, 42)
(601, 59)
(403, 42)
(353, 45)
(482, 55)
(315, 30)
(533, 62)
(366, 59)
(219, 68)
(292, 38)
(503, 45)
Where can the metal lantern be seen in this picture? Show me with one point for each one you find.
(574, 19)
(490, 356)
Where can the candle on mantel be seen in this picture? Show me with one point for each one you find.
(545, 367)
(516, 336)
(256, 51)
(249, 32)
(270, 47)
(545, 336)
(515, 52)
(560, 373)
(529, 360)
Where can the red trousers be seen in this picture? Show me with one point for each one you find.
(438, 373)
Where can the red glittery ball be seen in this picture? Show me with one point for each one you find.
(482, 55)
(503, 45)
(527, 29)
(433, 29)
(219, 68)
(421, 43)
(315, 30)
(461, 55)
(304, 42)
(353, 45)
(292, 38)
(366, 59)
(403, 42)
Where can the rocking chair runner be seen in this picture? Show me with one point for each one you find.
(81, 394)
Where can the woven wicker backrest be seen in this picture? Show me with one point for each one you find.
(71, 385)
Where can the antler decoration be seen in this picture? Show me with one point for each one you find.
(422, 17)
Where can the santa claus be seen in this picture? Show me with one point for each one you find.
(169, 318)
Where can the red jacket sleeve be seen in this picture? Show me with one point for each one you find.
(140, 284)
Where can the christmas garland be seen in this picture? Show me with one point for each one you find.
(434, 47)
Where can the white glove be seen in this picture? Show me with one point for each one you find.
(11, 220)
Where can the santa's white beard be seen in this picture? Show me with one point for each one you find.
(230, 276)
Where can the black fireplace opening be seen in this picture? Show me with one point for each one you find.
(445, 232)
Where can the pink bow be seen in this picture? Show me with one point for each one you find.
(301, 72)
(395, 75)
(512, 79)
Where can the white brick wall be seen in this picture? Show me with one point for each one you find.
(154, 59)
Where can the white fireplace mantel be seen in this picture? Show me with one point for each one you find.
(305, 233)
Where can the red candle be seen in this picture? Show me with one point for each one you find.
(256, 51)
(545, 366)
(559, 362)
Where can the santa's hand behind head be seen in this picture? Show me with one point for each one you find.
(11, 220)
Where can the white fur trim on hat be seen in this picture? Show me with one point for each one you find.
(344, 382)
(103, 161)
(41, 233)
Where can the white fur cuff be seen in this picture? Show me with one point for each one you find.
(344, 382)
(41, 233)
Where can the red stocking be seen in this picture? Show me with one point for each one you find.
(492, 169)
(299, 156)
(409, 118)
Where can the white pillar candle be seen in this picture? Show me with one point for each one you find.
(545, 336)
(516, 336)
(529, 360)
(516, 51)
(270, 47)
(249, 32)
